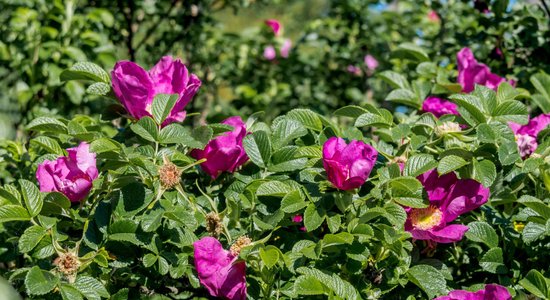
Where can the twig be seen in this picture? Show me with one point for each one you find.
(545, 7)
(155, 26)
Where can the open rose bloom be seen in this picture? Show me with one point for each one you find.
(470, 72)
(526, 135)
(348, 166)
(219, 271)
(439, 107)
(226, 152)
(136, 88)
(70, 175)
(449, 198)
(490, 292)
(275, 26)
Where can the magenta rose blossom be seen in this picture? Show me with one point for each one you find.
(439, 107)
(275, 26)
(225, 152)
(470, 72)
(526, 135)
(371, 62)
(270, 53)
(218, 270)
(449, 198)
(490, 292)
(70, 175)
(348, 166)
(136, 88)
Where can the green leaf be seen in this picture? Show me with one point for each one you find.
(149, 259)
(535, 283)
(537, 205)
(482, 232)
(371, 119)
(269, 256)
(337, 239)
(419, 164)
(104, 145)
(47, 124)
(506, 92)
(429, 279)
(31, 237)
(486, 134)
(508, 153)
(98, 88)
(541, 82)
(411, 51)
(285, 131)
(407, 191)
(146, 128)
(484, 172)
(471, 104)
(293, 202)
(13, 213)
(32, 196)
(450, 163)
(162, 106)
(274, 188)
(307, 117)
(90, 287)
(176, 134)
(69, 293)
(404, 96)
(163, 265)
(511, 111)
(333, 282)
(492, 261)
(395, 79)
(532, 232)
(258, 147)
(85, 71)
(309, 285)
(313, 217)
(40, 282)
(48, 144)
(351, 111)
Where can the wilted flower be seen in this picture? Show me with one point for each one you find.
(225, 152)
(136, 88)
(213, 224)
(72, 175)
(348, 166)
(241, 242)
(526, 135)
(354, 70)
(447, 128)
(371, 62)
(470, 72)
(275, 25)
(285, 48)
(169, 174)
(218, 270)
(270, 53)
(68, 263)
(439, 107)
(491, 291)
(449, 198)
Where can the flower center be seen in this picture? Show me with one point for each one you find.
(426, 218)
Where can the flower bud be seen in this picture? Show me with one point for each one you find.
(447, 128)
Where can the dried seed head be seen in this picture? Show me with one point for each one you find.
(68, 264)
(399, 160)
(169, 174)
(213, 224)
(447, 127)
(241, 242)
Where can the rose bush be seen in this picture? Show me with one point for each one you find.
(439, 189)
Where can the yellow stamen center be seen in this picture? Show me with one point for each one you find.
(426, 218)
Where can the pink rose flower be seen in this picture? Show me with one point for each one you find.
(225, 152)
(449, 198)
(270, 53)
(470, 72)
(70, 175)
(491, 291)
(136, 88)
(371, 62)
(285, 48)
(433, 16)
(275, 26)
(218, 270)
(439, 107)
(348, 166)
(526, 135)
